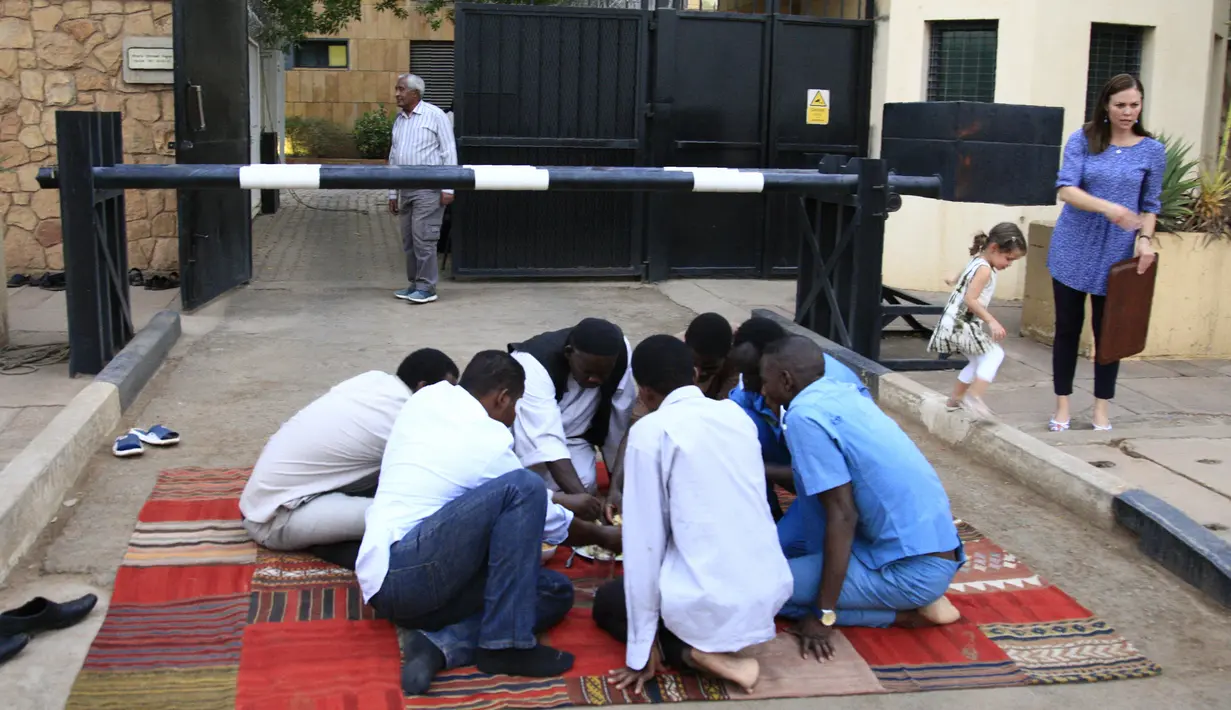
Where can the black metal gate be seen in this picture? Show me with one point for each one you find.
(549, 86)
(573, 86)
(212, 126)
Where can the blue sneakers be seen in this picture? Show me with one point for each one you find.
(416, 296)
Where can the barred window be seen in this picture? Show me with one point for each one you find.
(321, 54)
(1114, 49)
(433, 62)
(962, 61)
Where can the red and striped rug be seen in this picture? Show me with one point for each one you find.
(203, 618)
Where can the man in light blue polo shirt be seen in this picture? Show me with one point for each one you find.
(750, 341)
(889, 548)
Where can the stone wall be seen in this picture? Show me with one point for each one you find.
(67, 54)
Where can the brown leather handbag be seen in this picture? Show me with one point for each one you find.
(1126, 312)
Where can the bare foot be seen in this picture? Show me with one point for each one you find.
(940, 612)
(744, 672)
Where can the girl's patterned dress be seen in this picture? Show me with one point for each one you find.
(959, 330)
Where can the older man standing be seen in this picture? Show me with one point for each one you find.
(422, 135)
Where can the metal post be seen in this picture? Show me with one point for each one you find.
(95, 240)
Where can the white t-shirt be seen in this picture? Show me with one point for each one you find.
(442, 445)
(335, 441)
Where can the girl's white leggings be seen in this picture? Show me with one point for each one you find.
(982, 367)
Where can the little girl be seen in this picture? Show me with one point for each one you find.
(961, 325)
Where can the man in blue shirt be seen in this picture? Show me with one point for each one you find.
(889, 548)
(750, 341)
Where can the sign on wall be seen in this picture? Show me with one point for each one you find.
(149, 60)
(818, 107)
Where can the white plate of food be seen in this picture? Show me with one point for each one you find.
(597, 553)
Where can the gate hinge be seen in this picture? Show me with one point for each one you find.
(649, 110)
(653, 25)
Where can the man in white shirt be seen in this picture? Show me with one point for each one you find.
(422, 135)
(316, 476)
(456, 525)
(703, 572)
(579, 395)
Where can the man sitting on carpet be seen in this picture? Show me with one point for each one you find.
(885, 547)
(709, 338)
(750, 341)
(579, 395)
(702, 586)
(315, 478)
(456, 525)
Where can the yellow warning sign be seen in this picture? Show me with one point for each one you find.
(818, 107)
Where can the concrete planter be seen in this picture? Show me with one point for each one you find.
(1191, 319)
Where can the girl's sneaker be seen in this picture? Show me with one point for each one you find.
(977, 406)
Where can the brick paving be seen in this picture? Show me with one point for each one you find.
(329, 236)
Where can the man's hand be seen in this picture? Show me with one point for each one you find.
(393, 206)
(615, 504)
(814, 638)
(446, 198)
(583, 505)
(625, 677)
(612, 538)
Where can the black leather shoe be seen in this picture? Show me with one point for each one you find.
(40, 614)
(11, 646)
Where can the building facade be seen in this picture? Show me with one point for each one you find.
(76, 55)
(1042, 53)
(340, 77)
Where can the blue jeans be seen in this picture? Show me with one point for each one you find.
(872, 597)
(479, 554)
(553, 602)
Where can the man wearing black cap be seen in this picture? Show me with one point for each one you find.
(579, 395)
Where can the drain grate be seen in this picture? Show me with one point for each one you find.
(1103, 464)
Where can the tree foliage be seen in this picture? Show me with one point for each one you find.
(286, 22)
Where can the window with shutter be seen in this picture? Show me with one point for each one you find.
(433, 62)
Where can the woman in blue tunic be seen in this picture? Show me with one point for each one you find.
(1110, 182)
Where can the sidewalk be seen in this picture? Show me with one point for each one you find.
(1172, 418)
(38, 317)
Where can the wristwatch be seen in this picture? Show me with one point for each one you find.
(828, 617)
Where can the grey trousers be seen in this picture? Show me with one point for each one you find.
(324, 520)
(420, 214)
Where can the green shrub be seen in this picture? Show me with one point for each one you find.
(374, 133)
(1179, 183)
(318, 138)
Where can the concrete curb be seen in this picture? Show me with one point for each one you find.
(1178, 543)
(1166, 534)
(33, 484)
(141, 358)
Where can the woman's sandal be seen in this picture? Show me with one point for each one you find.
(1102, 428)
(1055, 426)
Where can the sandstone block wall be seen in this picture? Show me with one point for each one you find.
(67, 54)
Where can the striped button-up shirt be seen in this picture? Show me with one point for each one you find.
(422, 137)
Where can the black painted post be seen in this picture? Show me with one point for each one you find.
(868, 252)
(270, 199)
(95, 240)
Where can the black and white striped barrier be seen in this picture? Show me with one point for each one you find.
(480, 177)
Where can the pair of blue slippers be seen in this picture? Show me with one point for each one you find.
(133, 443)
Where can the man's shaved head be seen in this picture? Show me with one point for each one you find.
(788, 366)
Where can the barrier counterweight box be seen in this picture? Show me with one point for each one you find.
(993, 153)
